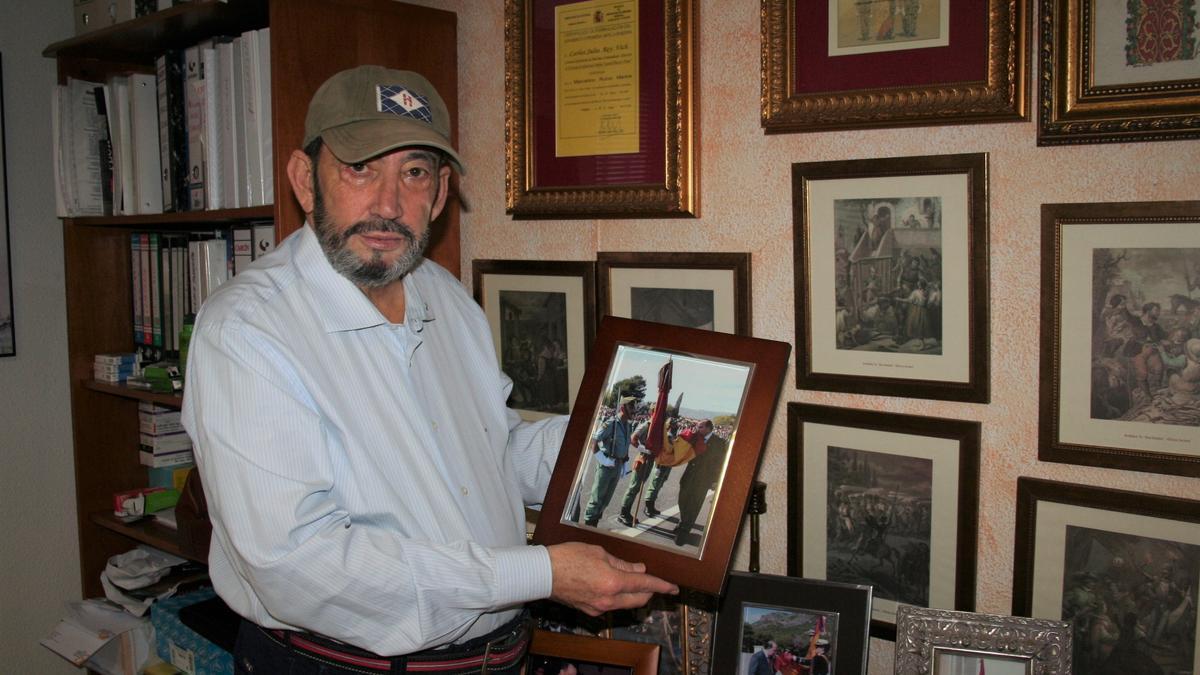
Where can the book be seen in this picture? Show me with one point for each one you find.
(147, 162)
(266, 146)
(229, 98)
(175, 173)
(135, 277)
(195, 105)
(264, 239)
(213, 196)
(81, 128)
(243, 247)
(251, 98)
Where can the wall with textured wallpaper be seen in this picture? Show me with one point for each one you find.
(745, 194)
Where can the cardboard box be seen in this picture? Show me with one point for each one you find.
(183, 647)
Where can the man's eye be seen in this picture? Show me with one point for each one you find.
(358, 167)
(417, 172)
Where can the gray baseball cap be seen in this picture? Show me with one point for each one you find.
(369, 110)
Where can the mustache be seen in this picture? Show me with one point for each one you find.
(379, 225)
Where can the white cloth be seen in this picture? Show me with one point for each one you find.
(365, 479)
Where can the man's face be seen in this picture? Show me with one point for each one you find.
(372, 218)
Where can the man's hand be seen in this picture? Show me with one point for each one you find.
(591, 580)
(639, 461)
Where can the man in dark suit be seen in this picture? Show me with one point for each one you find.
(701, 474)
(760, 663)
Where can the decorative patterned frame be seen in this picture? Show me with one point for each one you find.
(922, 632)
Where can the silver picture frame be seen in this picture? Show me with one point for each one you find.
(935, 641)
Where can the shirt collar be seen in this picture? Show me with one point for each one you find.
(344, 306)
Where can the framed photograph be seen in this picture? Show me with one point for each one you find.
(886, 500)
(769, 623)
(892, 276)
(856, 64)
(600, 112)
(543, 319)
(695, 290)
(1117, 72)
(8, 339)
(680, 626)
(662, 447)
(1123, 567)
(569, 654)
(1121, 279)
(944, 642)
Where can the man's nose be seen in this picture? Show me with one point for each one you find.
(386, 202)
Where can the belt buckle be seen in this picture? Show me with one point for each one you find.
(516, 635)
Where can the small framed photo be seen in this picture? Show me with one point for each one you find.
(600, 112)
(944, 642)
(681, 627)
(1122, 567)
(886, 500)
(1120, 347)
(543, 319)
(770, 624)
(1118, 72)
(662, 446)
(566, 653)
(696, 290)
(856, 64)
(891, 276)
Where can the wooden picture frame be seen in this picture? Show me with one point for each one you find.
(728, 381)
(681, 626)
(884, 499)
(870, 236)
(8, 337)
(696, 290)
(1080, 551)
(938, 641)
(1117, 73)
(842, 65)
(569, 156)
(543, 319)
(590, 654)
(1124, 402)
(807, 618)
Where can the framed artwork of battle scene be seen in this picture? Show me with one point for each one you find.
(778, 624)
(891, 276)
(1120, 347)
(543, 320)
(662, 446)
(1122, 567)
(1117, 72)
(886, 500)
(946, 642)
(696, 290)
(855, 64)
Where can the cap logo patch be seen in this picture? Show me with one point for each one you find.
(403, 102)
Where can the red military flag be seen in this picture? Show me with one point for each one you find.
(981, 667)
(654, 440)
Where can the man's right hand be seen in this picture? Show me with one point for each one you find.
(593, 581)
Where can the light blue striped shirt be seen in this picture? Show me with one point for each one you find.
(365, 479)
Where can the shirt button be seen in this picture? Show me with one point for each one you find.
(435, 426)
(465, 491)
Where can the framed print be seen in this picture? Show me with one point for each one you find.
(670, 420)
(855, 64)
(1120, 324)
(694, 290)
(770, 623)
(680, 626)
(600, 112)
(566, 653)
(1122, 567)
(892, 276)
(1116, 72)
(944, 642)
(543, 319)
(887, 500)
(8, 341)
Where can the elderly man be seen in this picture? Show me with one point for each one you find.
(365, 480)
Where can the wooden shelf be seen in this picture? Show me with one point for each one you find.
(172, 400)
(187, 219)
(146, 531)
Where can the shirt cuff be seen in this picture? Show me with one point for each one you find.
(522, 575)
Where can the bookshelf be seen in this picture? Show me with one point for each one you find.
(310, 40)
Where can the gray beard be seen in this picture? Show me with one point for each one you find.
(373, 272)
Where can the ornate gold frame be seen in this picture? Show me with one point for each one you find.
(676, 197)
(1001, 98)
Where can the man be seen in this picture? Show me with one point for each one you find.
(761, 662)
(365, 481)
(700, 475)
(610, 447)
(643, 468)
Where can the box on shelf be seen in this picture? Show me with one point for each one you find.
(172, 459)
(171, 477)
(160, 423)
(181, 646)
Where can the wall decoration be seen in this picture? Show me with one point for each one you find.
(1116, 72)
(1123, 567)
(543, 320)
(707, 399)
(887, 500)
(1120, 347)
(891, 276)
(791, 625)
(854, 64)
(682, 627)
(556, 653)
(600, 108)
(964, 643)
(696, 290)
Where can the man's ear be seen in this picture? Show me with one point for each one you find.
(442, 194)
(301, 173)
